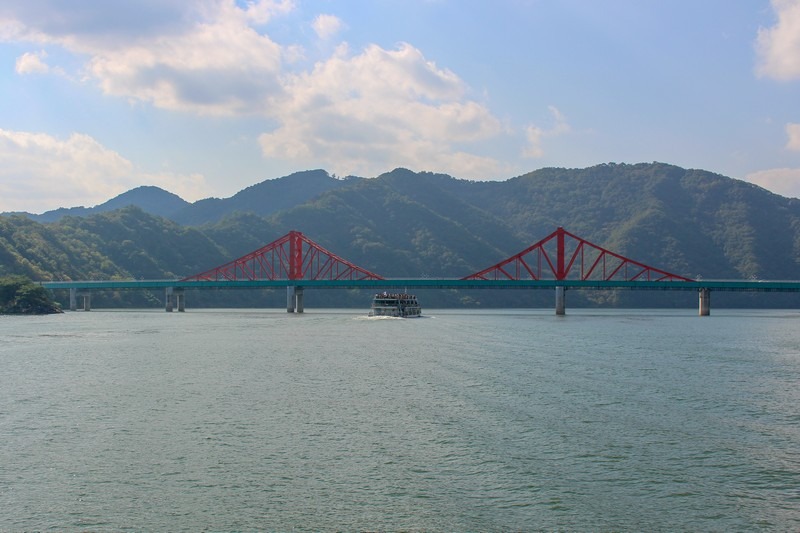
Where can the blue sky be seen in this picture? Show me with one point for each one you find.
(208, 97)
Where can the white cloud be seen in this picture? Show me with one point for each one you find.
(327, 26)
(778, 47)
(793, 132)
(42, 172)
(377, 110)
(85, 26)
(216, 65)
(32, 63)
(534, 148)
(362, 113)
(536, 134)
(783, 181)
(220, 68)
(262, 11)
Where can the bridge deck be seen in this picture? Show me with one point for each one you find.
(428, 283)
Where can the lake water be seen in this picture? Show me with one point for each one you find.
(462, 421)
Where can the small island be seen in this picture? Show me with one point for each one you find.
(21, 296)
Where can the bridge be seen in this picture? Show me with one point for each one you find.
(561, 261)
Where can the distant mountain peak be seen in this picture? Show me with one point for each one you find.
(148, 198)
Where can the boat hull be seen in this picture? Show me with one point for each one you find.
(395, 305)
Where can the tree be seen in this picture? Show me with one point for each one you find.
(20, 296)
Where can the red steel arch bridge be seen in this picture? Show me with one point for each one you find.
(560, 261)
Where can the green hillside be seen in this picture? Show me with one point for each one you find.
(406, 224)
(20, 296)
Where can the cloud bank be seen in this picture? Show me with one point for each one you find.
(380, 109)
(793, 133)
(61, 172)
(357, 112)
(778, 47)
(783, 181)
(327, 26)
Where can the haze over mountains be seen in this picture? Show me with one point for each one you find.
(407, 224)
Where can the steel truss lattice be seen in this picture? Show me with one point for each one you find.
(563, 255)
(292, 257)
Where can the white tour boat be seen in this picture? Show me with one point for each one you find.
(396, 305)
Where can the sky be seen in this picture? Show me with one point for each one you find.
(204, 98)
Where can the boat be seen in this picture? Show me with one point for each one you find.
(399, 305)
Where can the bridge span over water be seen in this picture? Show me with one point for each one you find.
(561, 261)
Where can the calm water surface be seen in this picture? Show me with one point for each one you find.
(241, 420)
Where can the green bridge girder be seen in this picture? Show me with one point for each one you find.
(430, 283)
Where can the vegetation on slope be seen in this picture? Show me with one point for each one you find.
(406, 224)
(20, 296)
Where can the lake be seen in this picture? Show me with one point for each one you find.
(626, 420)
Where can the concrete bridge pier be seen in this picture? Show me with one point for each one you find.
(178, 300)
(561, 301)
(294, 299)
(174, 298)
(73, 300)
(705, 302)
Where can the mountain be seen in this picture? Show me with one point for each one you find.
(408, 224)
(148, 198)
(692, 222)
(405, 224)
(264, 198)
(125, 243)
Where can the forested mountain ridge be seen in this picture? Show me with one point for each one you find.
(692, 222)
(122, 244)
(407, 224)
(150, 199)
(404, 224)
(263, 198)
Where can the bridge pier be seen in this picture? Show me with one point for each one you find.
(294, 299)
(705, 302)
(561, 302)
(73, 299)
(174, 298)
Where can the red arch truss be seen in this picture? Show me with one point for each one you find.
(292, 257)
(562, 255)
